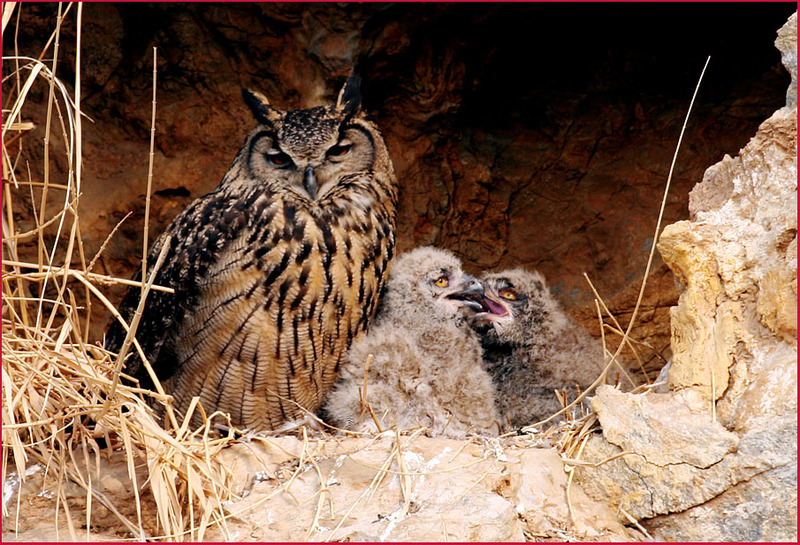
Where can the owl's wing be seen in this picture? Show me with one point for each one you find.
(196, 238)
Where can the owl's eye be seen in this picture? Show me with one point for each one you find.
(509, 295)
(279, 159)
(339, 150)
(442, 282)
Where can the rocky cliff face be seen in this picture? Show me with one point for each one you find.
(556, 165)
(725, 439)
(521, 134)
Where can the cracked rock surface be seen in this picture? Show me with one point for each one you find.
(411, 488)
(715, 459)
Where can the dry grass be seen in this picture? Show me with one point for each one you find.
(63, 403)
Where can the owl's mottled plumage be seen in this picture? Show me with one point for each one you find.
(427, 367)
(276, 271)
(531, 347)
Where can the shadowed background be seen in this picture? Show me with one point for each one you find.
(522, 134)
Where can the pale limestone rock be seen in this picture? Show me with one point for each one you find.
(455, 491)
(733, 376)
(440, 489)
(752, 511)
(645, 490)
(638, 423)
(786, 42)
(694, 333)
(539, 492)
(737, 259)
(350, 489)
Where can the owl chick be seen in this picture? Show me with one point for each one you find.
(427, 368)
(276, 271)
(531, 347)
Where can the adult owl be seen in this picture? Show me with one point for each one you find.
(427, 367)
(531, 347)
(276, 271)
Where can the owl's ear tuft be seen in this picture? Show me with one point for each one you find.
(259, 105)
(349, 100)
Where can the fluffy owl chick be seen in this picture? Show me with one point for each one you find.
(427, 367)
(274, 272)
(531, 347)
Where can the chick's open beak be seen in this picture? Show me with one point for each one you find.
(474, 299)
(471, 296)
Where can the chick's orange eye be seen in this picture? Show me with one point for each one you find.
(442, 282)
(509, 295)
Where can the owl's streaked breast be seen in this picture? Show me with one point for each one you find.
(282, 301)
(274, 272)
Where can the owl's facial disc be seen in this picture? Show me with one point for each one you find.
(345, 160)
(311, 152)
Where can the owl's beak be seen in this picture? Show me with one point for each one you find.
(310, 183)
(474, 287)
(474, 298)
(471, 295)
